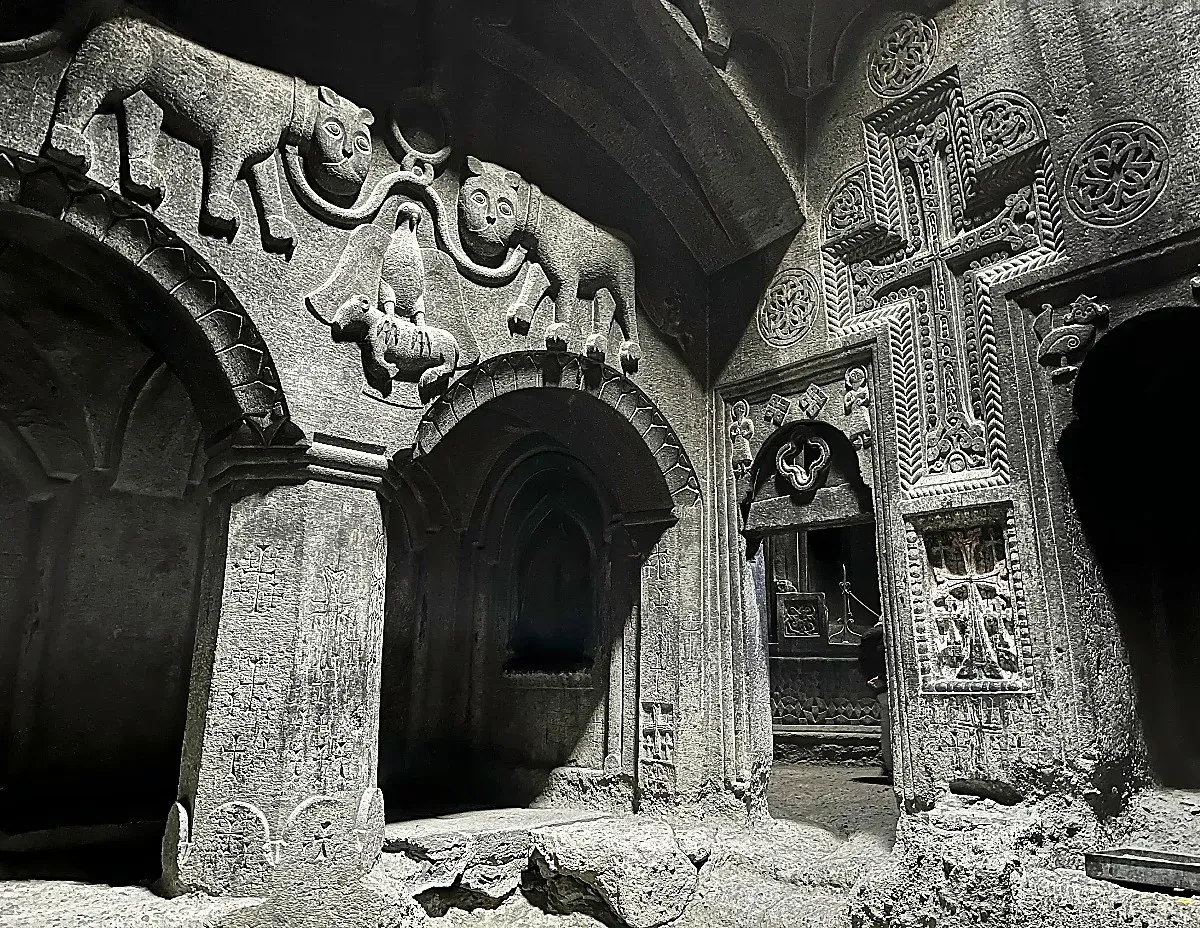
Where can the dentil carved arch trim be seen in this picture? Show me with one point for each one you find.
(522, 370)
(257, 398)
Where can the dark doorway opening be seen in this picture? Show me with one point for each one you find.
(506, 627)
(103, 507)
(1130, 468)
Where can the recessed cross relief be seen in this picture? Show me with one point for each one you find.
(973, 604)
(969, 607)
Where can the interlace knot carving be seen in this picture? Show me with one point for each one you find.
(777, 410)
(1116, 175)
(803, 461)
(960, 446)
(787, 309)
(847, 206)
(902, 56)
(1005, 124)
(922, 143)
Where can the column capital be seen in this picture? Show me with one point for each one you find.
(324, 458)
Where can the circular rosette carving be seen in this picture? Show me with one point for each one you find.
(903, 56)
(788, 308)
(1005, 123)
(1117, 174)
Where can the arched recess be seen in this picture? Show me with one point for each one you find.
(523, 370)
(1137, 501)
(487, 698)
(124, 354)
(174, 301)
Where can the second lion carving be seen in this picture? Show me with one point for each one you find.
(237, 114)
(498, 208)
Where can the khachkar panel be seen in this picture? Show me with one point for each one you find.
(951, 201)
(397, 297)
(967, 595)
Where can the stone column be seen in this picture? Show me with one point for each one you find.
(280, 752)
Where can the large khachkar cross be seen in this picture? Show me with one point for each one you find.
(950, 201)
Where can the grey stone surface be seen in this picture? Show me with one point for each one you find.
(433, 483)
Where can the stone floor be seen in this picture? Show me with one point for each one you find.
(844, 800)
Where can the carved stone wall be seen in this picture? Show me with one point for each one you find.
(813, 692)
(977, 223)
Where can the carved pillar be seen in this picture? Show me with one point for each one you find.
(278, 779)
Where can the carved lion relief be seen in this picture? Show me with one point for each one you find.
(245, 119)
(237, 114)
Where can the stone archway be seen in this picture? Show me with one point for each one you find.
(240, 383)
(115, 517)
(483, 675)
(522, 370)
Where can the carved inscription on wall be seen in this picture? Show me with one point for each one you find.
(968, 601)
(1117, 174)
(956, 200)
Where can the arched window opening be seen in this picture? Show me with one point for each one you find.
(554, 627)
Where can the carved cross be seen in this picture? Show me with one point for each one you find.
(951, 201)
(975, 601)
(235, 755)
(256, 584)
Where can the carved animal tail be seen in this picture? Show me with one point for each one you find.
(346, 216)
(366, 209)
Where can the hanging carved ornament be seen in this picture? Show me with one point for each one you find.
(788, 308)
(741, 430)
(803, 461)
(902, 56)
(1117, 174)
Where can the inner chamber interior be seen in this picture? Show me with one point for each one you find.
(514, 580)
(815, 571)
(103, 506)
(1132, 404)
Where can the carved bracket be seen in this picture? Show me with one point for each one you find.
(1066, 334)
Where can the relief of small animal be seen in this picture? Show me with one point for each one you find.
(390, 329)
(237, 114)
(498, 208)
